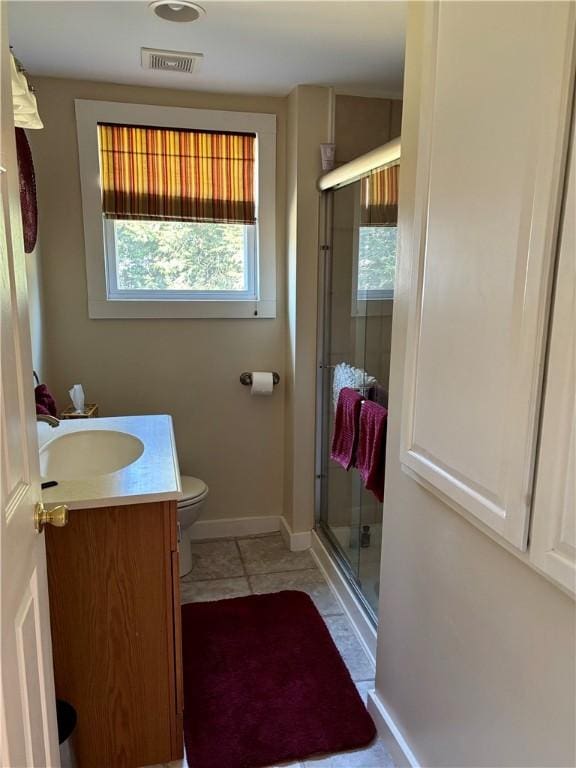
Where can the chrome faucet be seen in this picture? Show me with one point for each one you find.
(47, 419)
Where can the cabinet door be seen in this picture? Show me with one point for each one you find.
(110, 579)
(493, 132)
(553, 538)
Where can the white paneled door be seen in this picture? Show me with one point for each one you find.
(27, 718)
(494, 127)
(553, 537)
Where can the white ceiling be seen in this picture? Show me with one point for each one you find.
(264, 47)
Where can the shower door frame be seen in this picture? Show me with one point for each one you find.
(388, 154)
(323, 383)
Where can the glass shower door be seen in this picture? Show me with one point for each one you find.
(355, 350)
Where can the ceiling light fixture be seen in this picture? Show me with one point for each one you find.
(181, 10)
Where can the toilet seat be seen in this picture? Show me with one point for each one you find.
(194, 491)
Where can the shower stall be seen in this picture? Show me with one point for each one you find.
(359, 204)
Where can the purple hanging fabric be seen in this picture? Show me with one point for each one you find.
(27, 191)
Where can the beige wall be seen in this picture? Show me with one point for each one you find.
(362, 124)
(476, 652)
(309, 110)
(188, 368)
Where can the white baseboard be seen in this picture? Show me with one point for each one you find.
(234, 526)
(296, 542)
(390, 734)
(349, 601)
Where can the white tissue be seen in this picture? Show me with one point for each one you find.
(77, 397)
(262, 383)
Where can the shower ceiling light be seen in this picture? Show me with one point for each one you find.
(177, 10)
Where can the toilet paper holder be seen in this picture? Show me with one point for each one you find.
(246, 378)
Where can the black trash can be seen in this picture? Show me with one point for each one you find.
(66, 716)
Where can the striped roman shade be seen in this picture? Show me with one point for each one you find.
(380, 197)
(176, 175)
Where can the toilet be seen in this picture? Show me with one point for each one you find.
(194, 493)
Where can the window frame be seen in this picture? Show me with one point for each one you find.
(101, 304)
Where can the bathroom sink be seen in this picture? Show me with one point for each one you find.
(84, 454)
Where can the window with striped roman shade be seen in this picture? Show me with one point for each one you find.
(177, 175)
(379, 197)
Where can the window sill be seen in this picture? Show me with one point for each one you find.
(141, 310)
(372, 307)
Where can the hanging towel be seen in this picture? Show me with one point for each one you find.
(346, 421)
(371, 451)
(45, 401)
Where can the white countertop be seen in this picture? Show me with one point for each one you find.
(154, 476)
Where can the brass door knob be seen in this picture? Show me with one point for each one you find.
(58, 516)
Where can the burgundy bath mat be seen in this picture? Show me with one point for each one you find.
(265, 684)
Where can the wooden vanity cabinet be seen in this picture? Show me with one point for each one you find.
(115, 615)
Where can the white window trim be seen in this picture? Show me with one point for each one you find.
(100, 305)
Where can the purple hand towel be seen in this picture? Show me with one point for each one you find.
(345, 436)
(371, 451)
(44, 399)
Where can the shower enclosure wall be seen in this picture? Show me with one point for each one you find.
(358, 259)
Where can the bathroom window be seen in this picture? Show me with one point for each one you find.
(375, 243)
(376, 262)
(181, 219)
(180, 260)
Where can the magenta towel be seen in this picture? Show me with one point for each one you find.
(345, 436)
(371, 451)
(45, 401)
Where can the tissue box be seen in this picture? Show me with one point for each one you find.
(90, 412)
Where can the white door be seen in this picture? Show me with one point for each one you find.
(553, 536)
(494, 125)
(28, 723)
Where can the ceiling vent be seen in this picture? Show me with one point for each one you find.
(171, 61)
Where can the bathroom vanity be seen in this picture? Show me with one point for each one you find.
(114, 587)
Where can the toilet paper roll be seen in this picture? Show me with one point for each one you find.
(262, 383)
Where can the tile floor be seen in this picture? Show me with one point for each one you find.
(256, 565)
